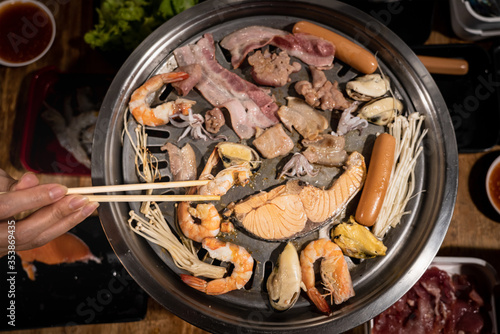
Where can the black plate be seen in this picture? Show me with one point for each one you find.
(401, 16)
(472, 99)
(75, 293)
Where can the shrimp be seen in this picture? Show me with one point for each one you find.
(208, 215)
(140, 107)
(334, 273)
(226, 178)
(210, 221)
(224, 251)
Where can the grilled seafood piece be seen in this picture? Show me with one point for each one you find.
(234, 174)
(298, 165)
(320, 204)
(367, 87)
(226, 178)
(209, 225)
(348, 122)
(224, 251)
(141, 98)
(284, 211)
(67, 248)
(236, 154)
(305, 119)
(273, 215)
(381, 111)
(357, 241)
(334, 273)
(283, 285)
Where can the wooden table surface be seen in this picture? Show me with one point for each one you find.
(474, 229)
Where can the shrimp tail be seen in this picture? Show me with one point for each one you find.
(194, 282)
(173, 77)
(318, 300)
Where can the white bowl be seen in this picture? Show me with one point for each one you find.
(52, 21)
(488, 176)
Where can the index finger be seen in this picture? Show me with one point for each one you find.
(14, 202)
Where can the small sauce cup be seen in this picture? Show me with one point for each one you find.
(493, 184)
(27, 31)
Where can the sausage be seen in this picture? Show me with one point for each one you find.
(345, 50)
(377, 180)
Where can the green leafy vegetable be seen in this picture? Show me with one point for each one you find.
(123, 24)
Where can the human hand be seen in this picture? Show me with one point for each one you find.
(55, 212)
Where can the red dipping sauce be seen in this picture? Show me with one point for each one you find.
(26, 32)
(494, 186)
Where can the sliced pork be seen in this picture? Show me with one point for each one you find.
(249, 106)
(185, 86)
(243, 41)
(321, 93)
(273, 142)
(327, 150)
(312, 50)
(299, 115)
(437, 303)
(271, 69)
(182, 162)
(214, 120)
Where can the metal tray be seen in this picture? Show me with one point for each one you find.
(378, 282)
(480, 273)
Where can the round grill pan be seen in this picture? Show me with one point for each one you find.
(379, 282)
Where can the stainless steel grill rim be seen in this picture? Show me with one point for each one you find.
(412, 249)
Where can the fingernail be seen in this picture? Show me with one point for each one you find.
(57, 192)
(78, 202)
(89, 208)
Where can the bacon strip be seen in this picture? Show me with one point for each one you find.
(185, 86)
(245, 40)
(249, 105)
(312, 50)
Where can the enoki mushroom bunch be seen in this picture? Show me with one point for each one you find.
(155, 228)
(406, 131)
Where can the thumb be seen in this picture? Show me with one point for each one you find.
(28, 180)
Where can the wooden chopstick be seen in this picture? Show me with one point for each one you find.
(137, 186)
(142, 198)
(152, 198)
